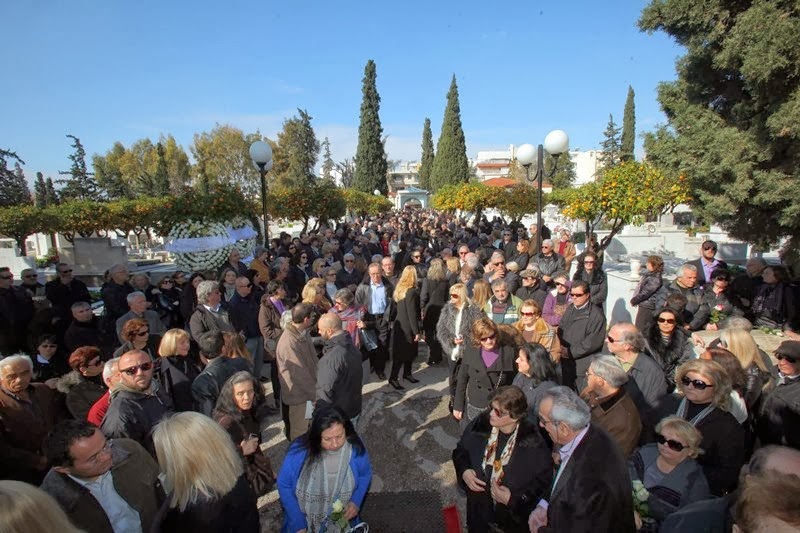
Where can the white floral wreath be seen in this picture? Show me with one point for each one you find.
(202, 245)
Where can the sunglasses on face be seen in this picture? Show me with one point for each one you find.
(498, 413)
(94, 362)
(416, 256)
(781, 357)
(349, 261)
(695, 383)
(499, 263)
(673, 444)
(132, 371)
(66, 271)
(577, 294)
(528, 314)
(489, 338)
(710, 248)
(142, 333)
(611, 340)
(666, 320)
(454, 296)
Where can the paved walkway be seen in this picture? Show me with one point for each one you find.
(409, 434)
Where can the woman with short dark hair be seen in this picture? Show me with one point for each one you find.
(537, 374)
(503, 463)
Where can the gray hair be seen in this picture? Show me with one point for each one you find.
(27, 270)
(568, 408)
(683, 268)
(632, 336)
(472, 259)
(497, 254)
(548, 242)
(286, 318)
(610, 369)
(737, 322)
(16, 358)
(344, 295)
(496, 284)
(377, 258)
(135, 295)
(79, 305)
(119, 267)
(108, 368)
(204, 289)
(348, 256)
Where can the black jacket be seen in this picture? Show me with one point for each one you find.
(646, 291)
(63, 296)
(91, 333)
(243, 314)
(133, 414)
(339, 375)
(582, 331)
(207, 386)
(175, 376)
(598, 285)
(16, 312)
(779, 422)
(669, 355)
(701, 274)
(538, 293)
(527, 475)
(115, 299)
(476, 382)
(593, 492)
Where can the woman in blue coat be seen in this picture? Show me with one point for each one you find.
(310, 501)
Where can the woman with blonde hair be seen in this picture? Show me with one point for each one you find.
(205, 485)
(741, 344)
(668, 470)
(435, 289)
(178, 368)
(535, 330)
(453, 331)
(405, 329)
(703, 397)
(481, 292)
(25, 508)
(453, 267)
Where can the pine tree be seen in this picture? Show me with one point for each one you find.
(81, 184)
(13, 186)
(628, 128)
(610, 156)
(370, 160)
(51, 196)
(327, 161)
(296, 153)
(40, 191)
(450, 164)
(426, 163)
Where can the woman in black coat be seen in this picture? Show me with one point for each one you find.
(405, 330)
(189, 296)
(504, 464)
(669, 343)
(178, 368)
(435, 289)
(646, 293)
(595, 277)
(487, 364)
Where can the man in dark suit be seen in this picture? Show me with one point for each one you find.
(591, 489)
(375, 294)
(707, 263)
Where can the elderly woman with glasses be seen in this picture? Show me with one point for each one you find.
(668, 470)
(703, 398)
(487, 364)
(137, 336)
(503, 463)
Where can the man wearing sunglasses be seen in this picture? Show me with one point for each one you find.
(137, 402)
(707, 263)
(548, 262)
(16, 312)
(647, 384)
(780, 416)
(581, 331)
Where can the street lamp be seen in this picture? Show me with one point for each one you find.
(556, 143)
(261, 154)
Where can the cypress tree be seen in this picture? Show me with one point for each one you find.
(450, 164)
(40, 191)
(628, 127)
(14, 189)
(610, 156)
(426, 164)
(371, 165)
(327, 161)
(51, 196)
(81, 184)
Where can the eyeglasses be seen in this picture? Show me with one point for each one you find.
(66, 272)
(609, 339)
(788, 359)
(559, 284)
(349, 260)
(665, 320)
(528, 314)
(94, 362)
(546, 247)
(695, 383)
(142, 333)
(133, 370)
(710, 248)
(543, 421)
(673, 444)
(489, 338)
(498, 413)
(167, 282)
(105, 449)
(577, 294)
(454, 296)
(499, 263)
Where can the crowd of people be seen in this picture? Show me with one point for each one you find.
(561, 416)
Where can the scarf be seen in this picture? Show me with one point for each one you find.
(490, 456)
(321, 483)
(683, 410)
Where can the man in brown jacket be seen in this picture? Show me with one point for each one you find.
(297, 368)
(612, 409)
(103, 486)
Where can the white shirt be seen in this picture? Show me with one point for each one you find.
(565, 452)
(123, 517)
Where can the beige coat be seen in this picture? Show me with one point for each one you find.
(297, 366)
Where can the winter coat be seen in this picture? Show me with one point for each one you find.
(445, 327)
(81, 393)
(582, 331)
(527, 475)
(671, 355)
(203, 321)
(135, 477)
(511, 313)
(269, 324)
(297, 367)
(63, 296)
(548, 265)
(208, 384)
(406, 327)
(726, 303)
(339, 376)
(133, 414)
(176, 375)
(91, 333)
(779, 422)
(645, 293)
(476, 382)
(598, 285)
(537, 293)
(115, 299)
(619, 417)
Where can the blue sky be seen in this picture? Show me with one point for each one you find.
(122, 71)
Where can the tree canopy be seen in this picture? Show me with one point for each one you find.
(370, 161)
(611, 152)
(296, 152)
(13, 185)
(222, 156)
(450, 164)
(81, 184)
(733, 113)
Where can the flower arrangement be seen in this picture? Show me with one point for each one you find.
(640, 497)
(204, 245)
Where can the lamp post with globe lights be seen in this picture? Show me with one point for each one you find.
(556, 143)
(261, 154)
